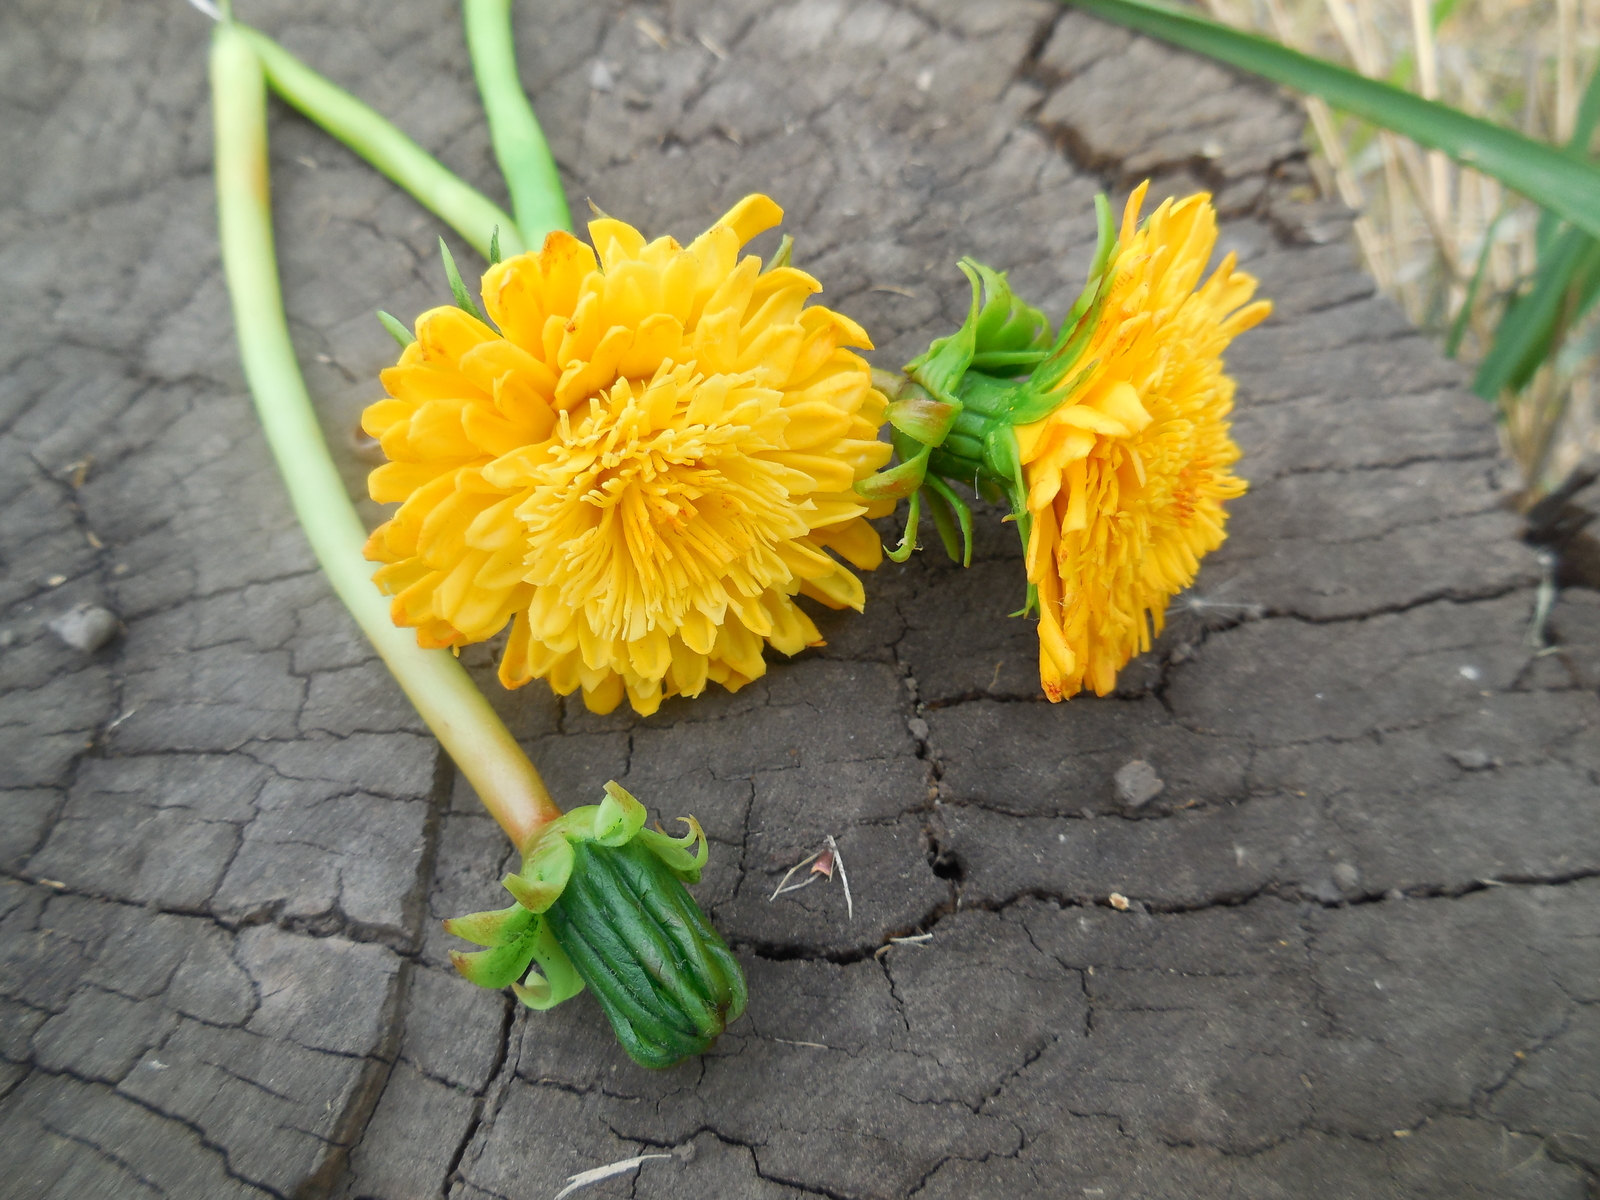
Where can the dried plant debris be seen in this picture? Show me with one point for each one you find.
(823, 864)
(584, 1178)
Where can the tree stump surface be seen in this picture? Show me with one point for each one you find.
(1358, 955)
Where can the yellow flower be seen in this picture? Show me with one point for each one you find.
(1126, 479)
(639, 471)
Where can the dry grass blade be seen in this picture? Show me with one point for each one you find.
(838, 862)
(584, 1178)
(809, 880)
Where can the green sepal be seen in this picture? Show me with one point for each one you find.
(908, 539)
(1005, 362)
(951, 513)
(918, 415)
(458, 289)
(619, 816)
(545, 871)
(897, 482)
(1105, 244)
(783, 256)
(560, 980)
(1007, 325)
(1045, 391)
(502, 965)
(533, 895)
(941, 366)
(494, 247)
(1033, 404)
(675, 852)
(499, 927)
(1002, 458)
(396, 330)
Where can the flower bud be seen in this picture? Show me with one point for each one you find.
(601, 903)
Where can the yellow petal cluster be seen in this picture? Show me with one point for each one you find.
(639, 469)
(1126, 479)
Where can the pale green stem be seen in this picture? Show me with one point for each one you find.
(466, 210)
(531, 174)
(443, 693)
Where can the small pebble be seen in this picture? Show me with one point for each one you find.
(918, 728)
(1394, 894)
(1474, 760)
(1118, 901)
(1346, 876)
(1138, 784)
(600, 77)
(1326, 891)
(85, 627)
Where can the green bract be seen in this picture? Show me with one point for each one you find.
(600, 902)
(955, 411)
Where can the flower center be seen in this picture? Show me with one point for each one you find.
(657, 502)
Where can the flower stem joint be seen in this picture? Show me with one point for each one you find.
(600, 902)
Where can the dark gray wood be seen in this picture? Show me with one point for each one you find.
(1357, 957)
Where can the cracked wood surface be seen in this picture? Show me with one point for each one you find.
(1359, 952)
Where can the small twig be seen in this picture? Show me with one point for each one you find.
(809, 880)
(915, 939)
(838, 861)
(788, 1042)
(584, 1178)
(795, 887)
(1544, 600)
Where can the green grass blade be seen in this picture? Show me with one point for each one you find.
(1458, 327)
(1582, 132)
(1565, 287)
(1588, 115)
(1550, 177)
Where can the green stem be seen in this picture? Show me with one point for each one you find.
(443, 693)
(357, 125)
(531, 173)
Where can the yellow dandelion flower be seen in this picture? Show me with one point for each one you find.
(1126, 478)
(639, 470)
(1114, 451)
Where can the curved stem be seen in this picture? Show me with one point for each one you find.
(443, 693)
(519, 145)
(359, 126)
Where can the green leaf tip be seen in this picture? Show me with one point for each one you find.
(458, 289)
(494, 247)
(396, 330)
